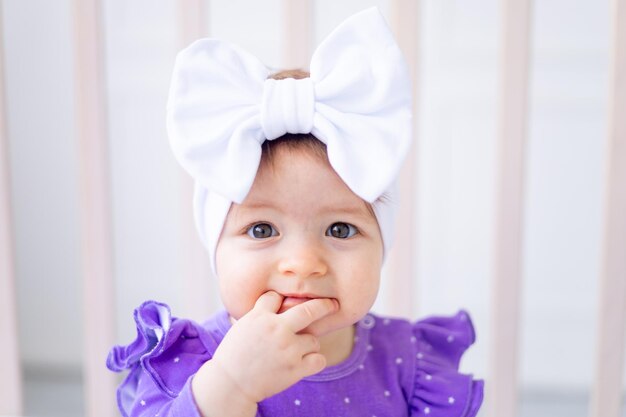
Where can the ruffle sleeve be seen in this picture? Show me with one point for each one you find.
(439, 389)
(168, 350)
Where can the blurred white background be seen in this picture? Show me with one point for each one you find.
(456, 118)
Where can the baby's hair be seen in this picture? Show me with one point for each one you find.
(296, 74)
(303, 142)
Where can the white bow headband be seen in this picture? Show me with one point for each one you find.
(222, 107)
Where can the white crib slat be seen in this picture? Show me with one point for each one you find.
(10, 377)
(606, 398)
(191, 20)
(401, 265)
(297, 34)
(95, 210)
(200, 293)
(512, 127)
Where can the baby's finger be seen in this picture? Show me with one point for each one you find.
(302, 315)
(312, 364)
(269, 301)
(308, 343)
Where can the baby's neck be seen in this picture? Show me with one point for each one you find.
(337, 346)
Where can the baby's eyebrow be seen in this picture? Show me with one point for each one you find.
(255, 206)
(354, 210)
(360, 210)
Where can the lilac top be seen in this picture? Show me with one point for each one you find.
(396, 368)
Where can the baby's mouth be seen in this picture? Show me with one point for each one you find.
(292, 301)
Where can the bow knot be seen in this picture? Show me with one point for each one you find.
(357, 101)
(287, 106)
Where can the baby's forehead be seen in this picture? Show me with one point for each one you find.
(295, 174)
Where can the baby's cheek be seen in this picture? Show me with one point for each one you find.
(238, 303)
(239, 294)
(359, 298)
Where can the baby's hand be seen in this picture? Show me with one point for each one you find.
(264, 353)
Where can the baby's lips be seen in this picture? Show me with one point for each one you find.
(291, 301)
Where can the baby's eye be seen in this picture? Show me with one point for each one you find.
(341, 230)
(261, 231)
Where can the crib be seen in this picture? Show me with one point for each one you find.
(102, 267)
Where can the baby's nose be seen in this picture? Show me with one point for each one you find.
(303, 259)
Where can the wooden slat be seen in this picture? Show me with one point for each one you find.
(606, 400)
(297, 21)
(502, 389)
(95, 208)
(200, 293)
(402, 263)
(10, 377)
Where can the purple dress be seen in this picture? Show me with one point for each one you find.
(396, 368)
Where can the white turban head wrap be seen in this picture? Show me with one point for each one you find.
(357, 101)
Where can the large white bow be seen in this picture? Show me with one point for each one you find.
(357, 101)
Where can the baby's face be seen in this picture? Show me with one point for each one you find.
(302, 233)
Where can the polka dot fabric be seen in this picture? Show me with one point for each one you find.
(396, 368)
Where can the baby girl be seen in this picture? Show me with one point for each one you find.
(295, 204)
